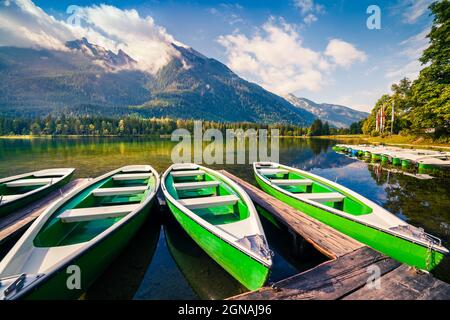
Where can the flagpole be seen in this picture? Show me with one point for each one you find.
(392, 118)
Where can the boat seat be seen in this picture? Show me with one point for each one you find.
(104, 192)
(199, 203)
(132, 176)
(187, 173)
(273, 171)
(30, 182)
(8, 198)
(196, 185)
(51, 172)
(185, 166)
(96, 213)
(322, 197)
(136, 168)
(268, 165)
(292, 182)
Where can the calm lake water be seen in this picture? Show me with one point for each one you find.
(162, 262)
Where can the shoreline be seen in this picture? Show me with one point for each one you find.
(396, 140)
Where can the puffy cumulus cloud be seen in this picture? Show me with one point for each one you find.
(139, 37)
(276, 58)
(24, 24)
(343, 53)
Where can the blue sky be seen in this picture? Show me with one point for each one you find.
(318, 49)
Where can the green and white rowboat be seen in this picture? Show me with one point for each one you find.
(220, 217)
(75, 239)
(350, 213)
(18, 191)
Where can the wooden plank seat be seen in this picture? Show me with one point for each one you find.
(136, 168)
(292, 182)
(266, 166)
(131, 176)
(8, 198)
(273, 171)
(187, 173)
(30, 182)
(104, 192)
(207, 202)
(321, 197)
(184, 166)
(196, 185)
(50, 172)
(96, 213)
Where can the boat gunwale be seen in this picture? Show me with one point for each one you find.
(84, 247)
(216, 231)
(70, 171)
(344, 215)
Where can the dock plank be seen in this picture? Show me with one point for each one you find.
(405, 283)
(327, 240)
(22, 218)
(328, 281)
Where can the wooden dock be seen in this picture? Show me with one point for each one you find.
(18, 221)
(347, 274)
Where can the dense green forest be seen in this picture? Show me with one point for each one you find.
(133, 125)
(422, 106)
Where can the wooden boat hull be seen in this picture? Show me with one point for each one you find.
(400, 249)
(248, 271)
(91, 262)
(12, 206)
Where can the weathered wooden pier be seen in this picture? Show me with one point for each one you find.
(18, 221)
(346, 274)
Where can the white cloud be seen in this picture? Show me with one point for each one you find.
(412, 10)
(307, 6)
(309, 10)
(310, 18)
(343, 53)
(415, 45)
(409, 70)
(276, 58)
(23, 24)
(411, 51)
